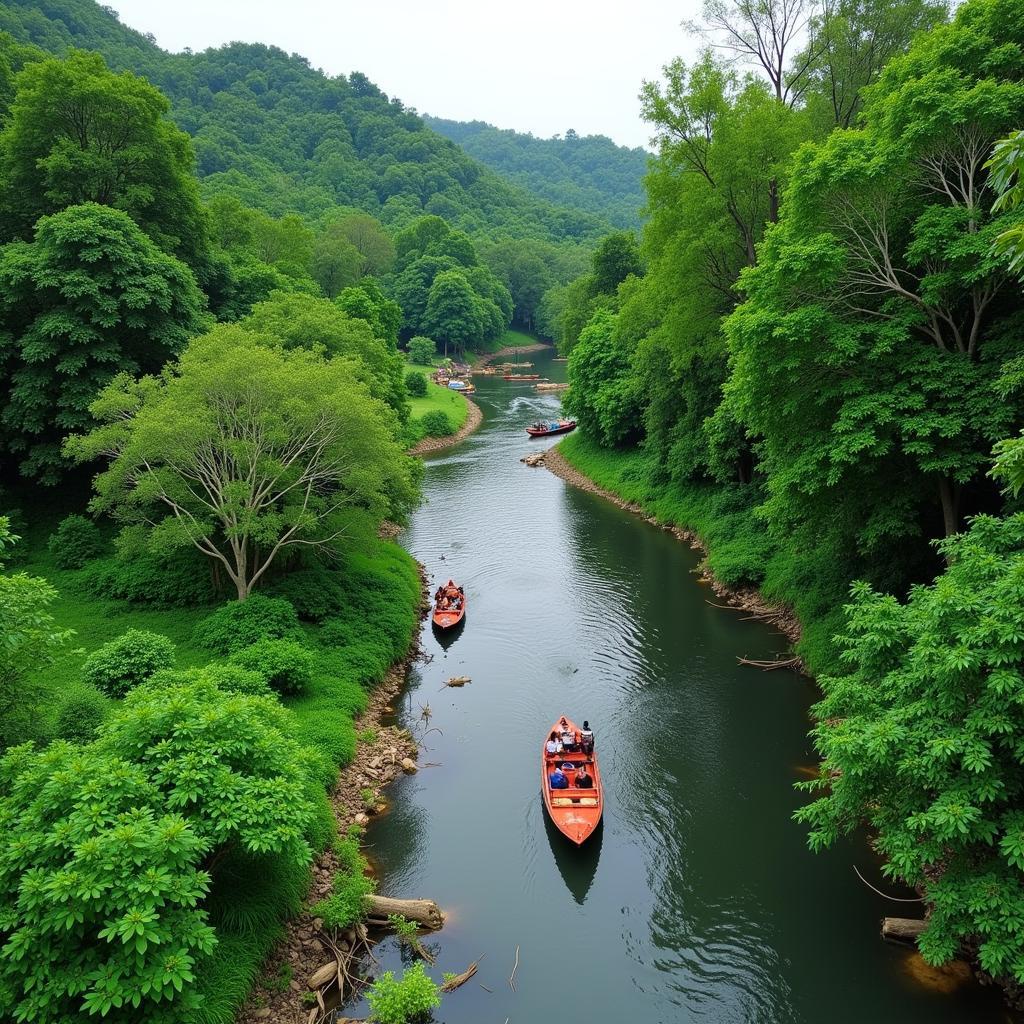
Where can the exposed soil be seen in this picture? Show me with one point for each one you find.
(746, 599)
(374, 766)
(438, 444)
(483, 360)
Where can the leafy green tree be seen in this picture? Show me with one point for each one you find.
(29, 639)
(336, 262)
(922, 740)
(91, 296)
(416, 384)
(453, 312)
(245, 450)
(77, 133)
(1006, 165)
(366, 301)
(422, 350)
(303, 321)
(416, 239)
(373, 243)
(614, 260)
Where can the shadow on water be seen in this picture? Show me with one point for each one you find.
(447, 637)
(576, 864)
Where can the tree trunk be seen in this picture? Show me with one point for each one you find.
(949, 493)
(902, 929)
(773, 201)
(424, 912)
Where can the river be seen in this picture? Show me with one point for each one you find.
(698, 899)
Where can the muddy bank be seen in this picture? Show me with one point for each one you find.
(483, 360)
(438, 444)
(746, 599)
(302, 950)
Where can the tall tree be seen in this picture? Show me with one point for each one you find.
(453, 313)
(90, 297)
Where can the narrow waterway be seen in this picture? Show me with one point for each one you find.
(698, 899)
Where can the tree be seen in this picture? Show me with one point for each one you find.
(336, 262)
(366, 301)
(29, 639)
(922, 740)
(375, 247)
(91, 296)
(614, 260)
(245, 450)
(418, 237)
(453, 312)
(422, 350)
(77, 133)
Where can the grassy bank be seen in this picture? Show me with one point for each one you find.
(437, 399)
(367, 623)
(740, 552)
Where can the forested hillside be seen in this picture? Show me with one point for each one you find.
(279, 135)
(585, 172)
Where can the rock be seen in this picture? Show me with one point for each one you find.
(408, 765)
(361, 818)
(318, 923)
(262, 1013)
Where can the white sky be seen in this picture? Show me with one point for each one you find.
(534, 65)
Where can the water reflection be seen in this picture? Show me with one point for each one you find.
(576, 864)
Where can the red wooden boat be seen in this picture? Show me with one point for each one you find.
(449, 617)
(548, 427)
(521, 376)
(575, 811)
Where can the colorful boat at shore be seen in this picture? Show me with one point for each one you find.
(546, 428)
(449, 606)
(462, 386)
(574, 810)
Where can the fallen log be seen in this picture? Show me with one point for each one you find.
(460, 979)
(770, 666)
(458, 681)
(323, 975)
(424, 912)
(902, 929)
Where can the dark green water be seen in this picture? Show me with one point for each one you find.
(698, 900)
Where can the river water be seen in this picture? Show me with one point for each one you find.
(698, 899)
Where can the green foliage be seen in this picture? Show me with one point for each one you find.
(325, 463)
(403, 927)
(416, 384)
(172, 579)
(124, 663)
(422, 350)
(89, 297)
(75, 542)
(238, 624)
(312, 590)
(923, 741)
(405, 1000)
(286, 665)
(346, 905)
(437, 424)
(80, 713)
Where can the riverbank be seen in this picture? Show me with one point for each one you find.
(473, 420)
(742, 598)
(510, 350)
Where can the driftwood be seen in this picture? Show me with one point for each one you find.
(424, 912)
(323, 975)
(460, 979)
(458, 681)
(902, 929)
(512, 976)
(770, 666)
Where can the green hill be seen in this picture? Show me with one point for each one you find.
(586, 172)
(282, 136)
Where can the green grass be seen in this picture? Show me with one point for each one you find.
(252, 897)
(740, 551)
(445, 400)
(513, 339)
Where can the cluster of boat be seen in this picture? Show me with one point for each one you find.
(570, 777)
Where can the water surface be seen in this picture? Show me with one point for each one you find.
(698, 899)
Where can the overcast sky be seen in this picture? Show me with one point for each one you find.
(534, 65)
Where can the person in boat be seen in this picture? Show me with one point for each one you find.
(583, 779)
(586, 738)
(553, 747)
(568, 737)
(442, 604)
(557, 779)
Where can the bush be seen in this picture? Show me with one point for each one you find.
(347, 903)
(80, 713)
(313, 592)
(76, 541)
(286, 665)
(121, 664)
(415, 384)
(436, 423)
(239, 624)
(399, 1002)
(421, 350)
(179, 580)
(225, 676)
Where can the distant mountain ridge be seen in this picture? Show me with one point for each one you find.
(282, 136)
(588, 172)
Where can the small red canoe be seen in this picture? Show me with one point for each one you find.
(575, 810)
(449, 606)
(552, 427)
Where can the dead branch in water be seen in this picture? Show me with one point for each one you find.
(512, 976)
(460, 979)
(770, 666)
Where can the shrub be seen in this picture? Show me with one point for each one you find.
(239, 624)
(313, 592)
(235, 679)
(347, 903)
(436, 423)
(178, 580)
(422, 350)
(76, 541)
(286, 665)
(80, 713)
(394, 1001)
(14, 554)
(121, 664)
(415, 384)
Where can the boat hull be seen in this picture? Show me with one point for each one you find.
(562, 429)
(449, 618)
(575, 812)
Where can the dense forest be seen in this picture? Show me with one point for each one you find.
(585, 172)
(813, 359)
